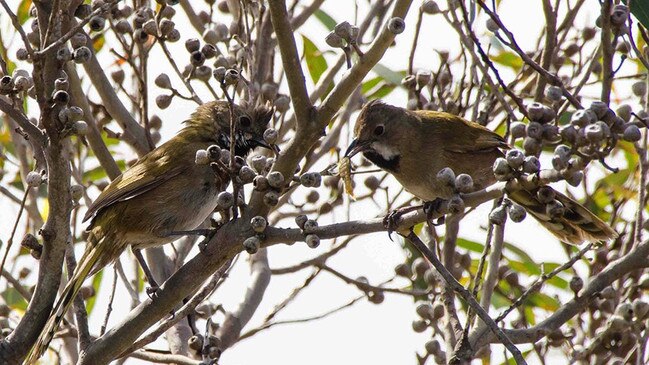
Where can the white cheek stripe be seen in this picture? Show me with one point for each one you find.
(385, 151)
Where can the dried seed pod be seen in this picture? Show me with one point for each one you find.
(282, 103)
(430, 7)
(515, 158)
(258, 224)
(599, 108)
(231, 77)
(163, 81)
(531, 165)
(419, 326)
(271, 198)
(150, 27)
(594, 133)
(464, 183)
(34, 179)
(553, 93)
(372, 182)
(446, 176)
(247, 175)
(492, 26)
(423, 78)
(173, 36)
(517, 130)
(300, 220)
(583, 117)
(312, 240)
(455, 204)
(632, 133)
(534, 130)
(501, 169)
(639, 88)
(252, 244)
(311, 179)
(82, 54)
(270, 136)
(309, 225)
(576, 284)
(334, 40)
(163, 101)
(403, 270)
(260, 183)
(225, 200)
(192, 45)
(202, 158)
(575, 178)
(516, 213)
(276, 179)
(545, 194)
(396, 25)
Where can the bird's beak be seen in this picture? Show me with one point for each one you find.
(356, 147)
(259, 142)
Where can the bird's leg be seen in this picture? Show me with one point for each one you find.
(392, 220)
(153, 285)
(431, 207)
(192, 232)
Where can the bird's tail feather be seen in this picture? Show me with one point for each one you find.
(84, 267)
(577, 224)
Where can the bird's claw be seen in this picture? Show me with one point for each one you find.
(432, 207)
(391, 222)
(152, 291)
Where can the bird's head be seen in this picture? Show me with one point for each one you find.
(380, 134)
(212, 122)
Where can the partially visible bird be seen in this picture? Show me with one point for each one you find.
(164, 192)
(415, 145)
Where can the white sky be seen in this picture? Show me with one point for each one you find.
(364, 333)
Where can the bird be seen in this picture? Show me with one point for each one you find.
(163, 193)
(414, 146)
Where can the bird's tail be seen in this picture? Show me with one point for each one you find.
(575, 226)
(84, 267)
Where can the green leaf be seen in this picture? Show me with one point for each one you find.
(470, 245)
(99, 173)
(23, 11)
(325, 19)
(315, 61)
(14, 299)
(98, 42)
(393, 77)
(509, 59)
(640, 9)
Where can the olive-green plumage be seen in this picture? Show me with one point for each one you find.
(415, 145)
(164, 191)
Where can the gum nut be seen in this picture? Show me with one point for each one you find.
(225, 156)
(639, 88)
(80, 128)
(594, 133)
(260, 183)
(534, 130)
(334, 40)
(558, 163)
(532, 165)
(214, 153)
(550, 132)
(63, 54)
(425, 310)
(438, 310)
(501, 167)
(312, 197)
(432, 347)
(118, 76)
(33, 179)
(372, 182)
(312, 240)
(271, 198)
(430, 7)
(163, 81)
(163, 101)
(554, 209)
(409, 81)
(258, 162)
(516, 213)
(396, 25)
(403, 270)
(553, 93)
(568, 133)
(192, 45)
(517, 130)
(310, 225)
(173, 36)
(498, 215)
(446, 176)
(343, 29)
(563, 151)
(624, 111)
(300, 220)
(423, 78)
(464, 183)
(599, 108)
(258, 224)
(455, 204)
(75, 113)
(625, 310)
(76, 191)
(247, 175)
(535, 111)
(545, 194)
(576, 284)
(575, 178)
(61, 97)
(225, 199)
(276, 179)
(419, 326)
(251, 244)
(82, 54)
(197, 58)
(608, 293)
(202, 158)
(640, 308)
(269, 90)
(419, 266)
(583, 117)
(270, 136)
(282, 103)
(492, 26)
(632, 133)
(617, 125)
(311, 179)
(515, 158)
(604, 127)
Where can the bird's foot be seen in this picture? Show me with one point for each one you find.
(432, 207)
(152, 291)
(393, 219)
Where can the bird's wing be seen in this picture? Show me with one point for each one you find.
(460, 135)
(137, 180)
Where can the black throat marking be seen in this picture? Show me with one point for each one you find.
(391, 165)
(241, 147)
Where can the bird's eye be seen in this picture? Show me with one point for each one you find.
(379, 130)
(245, 121)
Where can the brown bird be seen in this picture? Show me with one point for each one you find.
(415, 145)
(164, 193)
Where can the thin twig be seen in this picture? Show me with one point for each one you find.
(13, 231)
